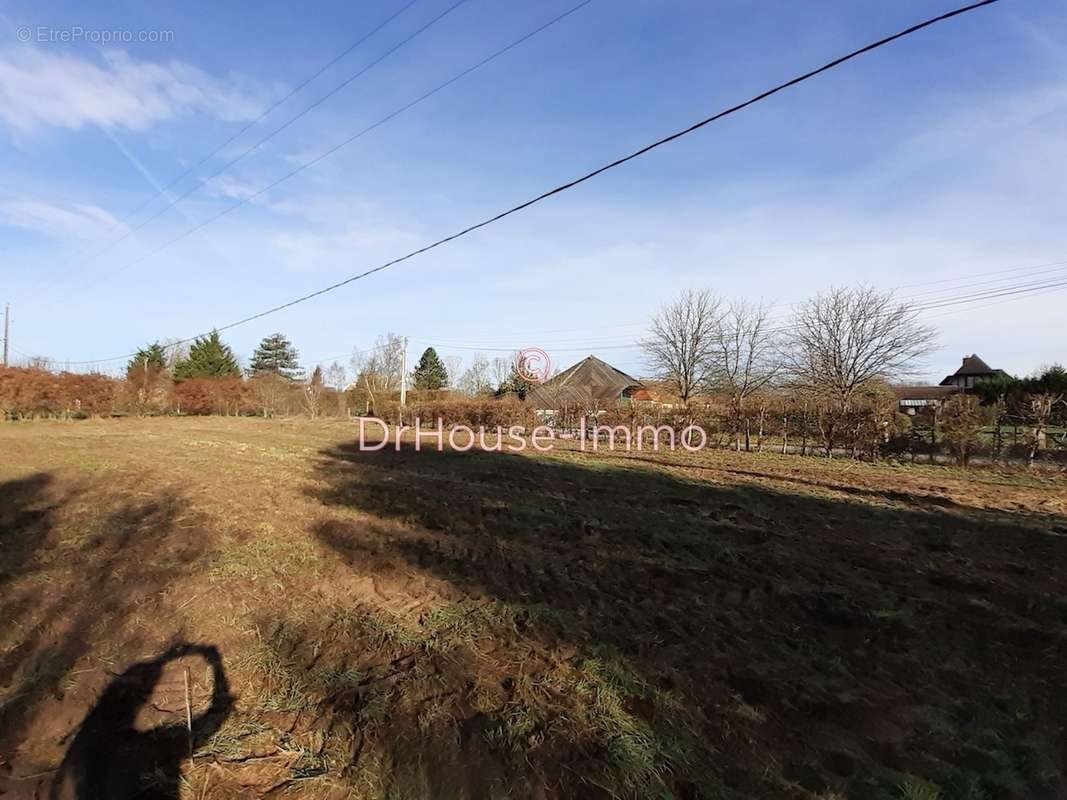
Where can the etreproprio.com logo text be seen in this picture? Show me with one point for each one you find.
(44, 34)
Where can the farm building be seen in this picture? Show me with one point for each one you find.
(913, 400)
(663, 395)
(589, 384)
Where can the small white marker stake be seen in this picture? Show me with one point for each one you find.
(188, 714)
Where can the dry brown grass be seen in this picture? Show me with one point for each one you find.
(402, 625)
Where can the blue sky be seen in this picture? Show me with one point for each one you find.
(921, 166)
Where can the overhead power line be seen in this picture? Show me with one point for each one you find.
(262, 115)
(965, 280)
(971, 308)
(594, 173)
(1027, 268)
(292, 92)
(992, 293)
(358, 135)
(775, 325)
(1047, 274)
(264, 139)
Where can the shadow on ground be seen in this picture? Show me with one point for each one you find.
(112, 757)
(758, 642)
(121, 554)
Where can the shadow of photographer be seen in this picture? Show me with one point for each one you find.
(110, 757)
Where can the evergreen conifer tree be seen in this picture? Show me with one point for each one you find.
(430, 373)
(517, 384)
(275, 355)
(209, 357)
(153, 357)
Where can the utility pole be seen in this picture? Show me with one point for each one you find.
(404, 374)
(7, 328)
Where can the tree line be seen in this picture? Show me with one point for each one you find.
(205, 377)
(827, 372)
(378, 371)
(822, 378)
(1037, 404)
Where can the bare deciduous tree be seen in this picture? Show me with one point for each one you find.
(845, 340)
(1038, 408)
(962, 422)
(681, 340)
(314, 389)
(476, 379)
(337, 379)
(500, 370)
(379, 370)
(176, 351)
(454, 367)
(746, 358)
(269, 390)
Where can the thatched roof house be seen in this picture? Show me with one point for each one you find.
(973, 370)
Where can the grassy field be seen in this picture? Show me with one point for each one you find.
(483, 625)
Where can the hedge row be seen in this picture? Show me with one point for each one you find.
(27, 393)
(488, 412)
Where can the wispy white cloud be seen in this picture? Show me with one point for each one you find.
(352, 248)
(231, 187)
(980, 128)
(74, 221)
(43, 89)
